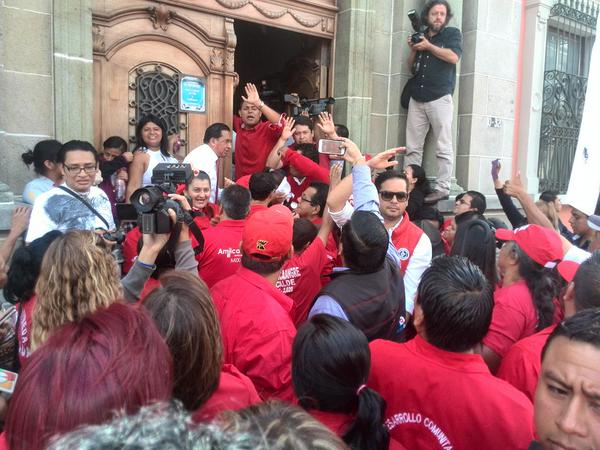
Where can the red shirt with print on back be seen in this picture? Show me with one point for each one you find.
(300, 279)
(253, 145)
(257, 331)
(521, 365)
(444, 400)
(221, 256)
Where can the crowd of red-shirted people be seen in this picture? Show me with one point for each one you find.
(291, 307)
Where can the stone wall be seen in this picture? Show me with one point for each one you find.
(26, 84)
(488, 78)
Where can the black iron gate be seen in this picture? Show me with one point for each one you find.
(571, 33)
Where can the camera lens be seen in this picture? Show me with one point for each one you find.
(147, 199)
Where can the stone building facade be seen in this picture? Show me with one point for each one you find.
(66, 71)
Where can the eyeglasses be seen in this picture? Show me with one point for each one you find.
(304, 199)
(389, 195)
(75, 170)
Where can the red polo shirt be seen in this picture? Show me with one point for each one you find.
(221, 256)
(443, 400)
(257, 331)
(235, 391)
(300, 279)
(514, 317)
(253, 145)
(256, 207)
(521, 365)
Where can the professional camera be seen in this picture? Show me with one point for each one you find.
(314, 107)
(152, 202)
(415, 21)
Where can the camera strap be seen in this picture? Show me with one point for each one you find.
(86, 203)
(196, 232)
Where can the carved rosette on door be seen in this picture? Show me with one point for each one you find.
(154, 89)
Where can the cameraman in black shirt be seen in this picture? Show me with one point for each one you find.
(433, 61)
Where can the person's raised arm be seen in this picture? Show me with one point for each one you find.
(513, 215)
(136, 172)
(253, 98)
(327, 126)
(514, 188)
(274, 158)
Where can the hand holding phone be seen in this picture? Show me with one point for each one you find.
(332, 147)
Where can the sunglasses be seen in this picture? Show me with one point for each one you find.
(388, 196)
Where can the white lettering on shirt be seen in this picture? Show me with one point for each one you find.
(416, 418)
(233, 254)
(287, 279)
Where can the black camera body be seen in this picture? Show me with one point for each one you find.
(314, 107)
(152, 202)
(415, 21)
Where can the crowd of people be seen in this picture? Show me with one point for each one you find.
(295, 306)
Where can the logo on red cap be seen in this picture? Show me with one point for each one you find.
(261, 244)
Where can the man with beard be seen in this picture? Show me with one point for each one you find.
(433, 61)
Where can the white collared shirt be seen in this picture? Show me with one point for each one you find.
(205, 159)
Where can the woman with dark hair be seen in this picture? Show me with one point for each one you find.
(112, 360)
(152, 149)
(526, 299)
(184, 313)
(20, 285)
(333, 387)
(419, 188)
(197, 190)
(475, 241)
(43, 158)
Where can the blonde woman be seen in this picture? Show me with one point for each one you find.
(79, 276)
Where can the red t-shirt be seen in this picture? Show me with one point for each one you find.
(441, 400)
(257, 331)
(252, 146)
(311, 171)
(300, 279)
(514, 317)
(521, 365)
(221, 256)
(235, 391)
(24, 328)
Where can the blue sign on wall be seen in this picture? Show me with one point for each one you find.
(192, 94)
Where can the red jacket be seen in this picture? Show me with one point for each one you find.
(252, 146)
(440, 400)
(221, 255)
(405, 238)
(257, 331)
(235, 391)
(522, 364)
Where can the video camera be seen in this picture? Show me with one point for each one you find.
(314, 107)
(152, 202)
(415, 21)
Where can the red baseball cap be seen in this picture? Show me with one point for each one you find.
(244, 181)
(567, 270)
(541, 244)
(268, 233)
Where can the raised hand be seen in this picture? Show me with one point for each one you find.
(335, 175)
(326, 125)
(514, 186)
(288, 128)
(252, 96)
(381, 160)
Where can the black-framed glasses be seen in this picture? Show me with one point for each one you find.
(75, 170)
(389, 195)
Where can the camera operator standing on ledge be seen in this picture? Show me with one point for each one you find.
(433, 58)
